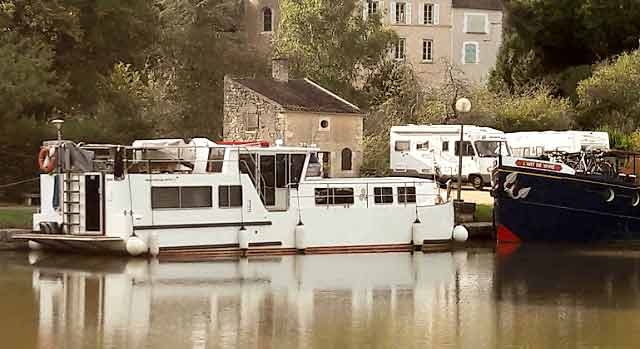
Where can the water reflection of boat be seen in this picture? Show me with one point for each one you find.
(594, 277)
(257, 302)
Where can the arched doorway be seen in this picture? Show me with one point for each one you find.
(346, 159)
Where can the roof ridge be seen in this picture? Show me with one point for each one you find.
(332, 94)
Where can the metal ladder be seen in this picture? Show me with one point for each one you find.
(71, 203)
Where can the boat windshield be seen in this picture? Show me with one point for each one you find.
(492, 149)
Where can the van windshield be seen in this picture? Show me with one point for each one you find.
(491, 149)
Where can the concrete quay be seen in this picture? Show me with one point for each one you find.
(7, 242)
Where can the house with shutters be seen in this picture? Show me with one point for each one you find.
(296, 112)
(433, 34)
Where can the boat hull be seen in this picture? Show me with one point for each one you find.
(535, 205)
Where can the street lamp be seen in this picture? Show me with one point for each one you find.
(463, 105)
(58, 124)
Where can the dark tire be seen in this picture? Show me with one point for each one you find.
(476, 182)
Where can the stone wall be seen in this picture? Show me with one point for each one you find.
(249, 116)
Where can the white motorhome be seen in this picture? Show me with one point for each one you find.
(535, 144)
(432, 151)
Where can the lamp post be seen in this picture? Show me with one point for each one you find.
(463, 105)
(58, 124)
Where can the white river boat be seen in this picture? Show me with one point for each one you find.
(203, 198)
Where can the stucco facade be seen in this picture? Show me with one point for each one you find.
(298, 112)
(488, 43)
(441, 23)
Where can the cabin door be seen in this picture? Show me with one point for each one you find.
(92, 186)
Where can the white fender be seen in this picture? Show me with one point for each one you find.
(301, 242)
(418, 233)
(243, 238)
(135, 246)
(460, 233)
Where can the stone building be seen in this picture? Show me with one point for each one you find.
(433, 34)
(298, 112)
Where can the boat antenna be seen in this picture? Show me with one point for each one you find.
(133, 231)
(241, 188)
(416, 205)
(298, 199)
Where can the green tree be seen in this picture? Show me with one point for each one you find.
(329, 42)
(200, 44)
(546, 40)
(611, 97)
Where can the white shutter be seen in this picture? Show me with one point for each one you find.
(392, 12)
(365, 9)
(436, 14)
(408, 13)
(421, 13)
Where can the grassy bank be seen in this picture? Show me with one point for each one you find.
(16, 217)
(484, 213)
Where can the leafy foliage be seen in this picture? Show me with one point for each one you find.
(556, 41)
(612, 95)
(326, 42)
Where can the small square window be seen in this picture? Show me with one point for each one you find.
(422, 146)
(402, 145)
(165, 197)
(445, 146)
(383, 195)
(406, 194)
(229, 196)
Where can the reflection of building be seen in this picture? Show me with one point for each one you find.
(433, 33)
(296, 112)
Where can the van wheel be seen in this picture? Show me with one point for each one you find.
(476, 182)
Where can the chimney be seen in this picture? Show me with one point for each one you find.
(280, 69)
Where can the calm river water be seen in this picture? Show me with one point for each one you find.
(535, 297)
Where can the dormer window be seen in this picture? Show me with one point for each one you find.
(267, 20)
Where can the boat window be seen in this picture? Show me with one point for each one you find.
(334, 196)
(297, 164)
(313, 168)
(445, 146)
(282, 170)
(402, 145)
(268, 179)
(492, 149)
(406, 194)
(422, 146)
(230, 196)
(248, 166)
(467, 149)
(216, 157)
(165, 197)
(383, 195)
(181, 197)
(194, 197)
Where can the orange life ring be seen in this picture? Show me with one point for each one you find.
(47, 159)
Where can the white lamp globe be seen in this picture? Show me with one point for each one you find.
(463, 105)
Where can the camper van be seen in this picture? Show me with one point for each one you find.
(535, 144)
(432, 151)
